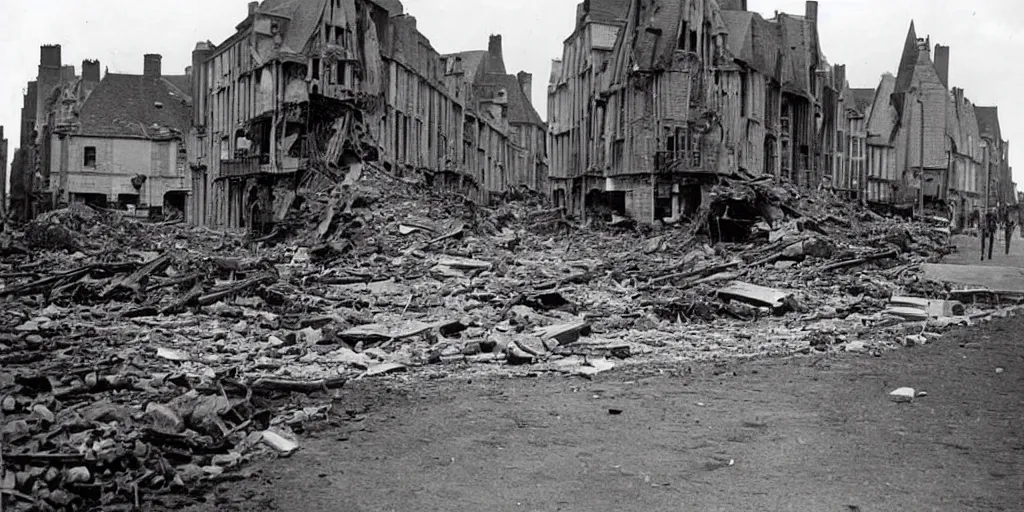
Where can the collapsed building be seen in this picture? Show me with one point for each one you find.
(108, 141)
(319, 85)
(690, 92)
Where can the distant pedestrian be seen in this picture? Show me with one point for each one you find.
(1008, 226)
(989, 226)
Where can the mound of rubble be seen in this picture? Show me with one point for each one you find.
(142, 361)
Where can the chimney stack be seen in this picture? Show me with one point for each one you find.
(494, 47)
(942, 63)
(733, 5)
(90, 70)
(811, 11)
(48, 79)
(252, 7)
(151, 64)
(526, 84)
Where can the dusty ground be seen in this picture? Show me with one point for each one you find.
(803, 434)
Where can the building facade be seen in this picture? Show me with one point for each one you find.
(112, 141)
(577, 103)
(689, 92)
(309, 86)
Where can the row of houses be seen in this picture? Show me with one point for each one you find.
(654, 101)
(300, 85)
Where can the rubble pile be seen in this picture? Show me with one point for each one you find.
(141, 361)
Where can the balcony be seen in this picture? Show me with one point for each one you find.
(672, 161)
(245, 166)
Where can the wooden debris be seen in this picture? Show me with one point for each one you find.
(754, 294)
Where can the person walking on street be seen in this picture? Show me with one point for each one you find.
(1008, 225)
(989, 225)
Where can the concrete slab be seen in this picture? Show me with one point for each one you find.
(995, 278)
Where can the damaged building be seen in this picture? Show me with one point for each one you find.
(923, 132)
(313, 85)
(114, 141)
(692, 91)
(499, 115)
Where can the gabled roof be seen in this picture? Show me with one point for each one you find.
(908, 61)
(181, 82)
(607, 12)
(882, 121)
(126, 106)
(471, 61)
(862, 98)
(520, 110)
(303, 19)
(652, 42)
(988, 121)
(393, 7)
(754, 41)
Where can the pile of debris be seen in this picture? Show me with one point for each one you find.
(141, 361)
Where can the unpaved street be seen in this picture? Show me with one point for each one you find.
(814, 433)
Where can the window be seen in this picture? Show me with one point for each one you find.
(316, 69)
(340, 70)
(90, 157)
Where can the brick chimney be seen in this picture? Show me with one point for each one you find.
(48, 79)
(811, 10)
(526, 84)
(90, 70)
(151, 64)
(252, 7)
(942, 63)
(494, 47)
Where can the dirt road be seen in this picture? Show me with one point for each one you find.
(806, 434)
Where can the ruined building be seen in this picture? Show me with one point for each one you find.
(112, 141)
(922, 132)
(321, 85)
(576, 110)
(691, 91)
(501, 102)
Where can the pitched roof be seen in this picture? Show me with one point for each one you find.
(520, 110)
(303, 19)
(905, 73)
(882, 121)
(607, 12)
(181, 82)
(988, 121)
(471, 61)
(753, 40)
(126, 106)
(393, 7)
(863, 98)
(654, 40)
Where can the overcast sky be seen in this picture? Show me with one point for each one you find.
(867, 35)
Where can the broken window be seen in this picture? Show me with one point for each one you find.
(89, 159)
(682, 36)
(339, 69)
(316, 69)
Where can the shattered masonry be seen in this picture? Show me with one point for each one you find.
(311, 86)
(654, 100)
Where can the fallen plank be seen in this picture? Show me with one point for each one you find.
(564, 333)
(860, 261)
(218, 296)
(132, 281)
(300, 386)
(754, 294)
(701, 272)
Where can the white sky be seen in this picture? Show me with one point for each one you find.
(867, 35)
